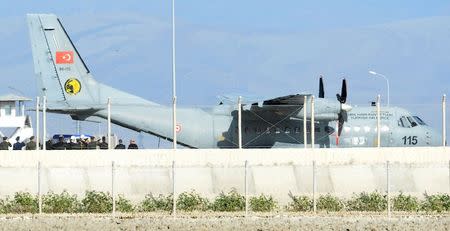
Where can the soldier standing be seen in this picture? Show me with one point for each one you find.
(31, 145)
(132, 145)
(4, 145)
(92, 144)
(18, 145)
(120, 145)
(103, 144)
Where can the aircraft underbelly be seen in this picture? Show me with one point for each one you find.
(193, 125)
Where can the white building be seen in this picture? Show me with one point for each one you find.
(12, 116)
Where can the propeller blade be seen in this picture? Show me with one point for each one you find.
(343, 96)
(340, 124)
(321, 91)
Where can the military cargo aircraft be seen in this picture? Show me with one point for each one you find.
(64, 78)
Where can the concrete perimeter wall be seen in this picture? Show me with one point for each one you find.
(277, 172)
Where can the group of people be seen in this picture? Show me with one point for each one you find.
(18, 145)
(73, 144)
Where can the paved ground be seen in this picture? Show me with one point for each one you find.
(226, 221)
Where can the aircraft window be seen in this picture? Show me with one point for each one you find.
(287, 130)
(277, 131)
(297, 130)
(411, 120)
(268, 130)
(404, 122)
(419, 120)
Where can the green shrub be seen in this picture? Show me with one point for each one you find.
(230, 202)
(23, 202)
(403, 202)
(262, 203)
(160, 203)
(299, 203)
(97, 202)
(374, 202)
(436, 203)
(192, 201)
(329, 203)
(124, 205)
(60, 203)
(4, 206)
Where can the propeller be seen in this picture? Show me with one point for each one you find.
(321, 91)
(342, 98)
(342, 116)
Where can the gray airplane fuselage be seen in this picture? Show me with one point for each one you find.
(217, 127)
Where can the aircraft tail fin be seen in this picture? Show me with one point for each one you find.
(61, 72)
(60, 69)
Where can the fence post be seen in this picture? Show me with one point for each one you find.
(109, 123)
(39, 188)
(388, 190)
(444, 125)
(246, 187)
(313, 134)
(44, 122)
(113, 173)
(174, 196)
(314, 187)
(37, 123)
(305, 135)
(239, 122)
(378, 121)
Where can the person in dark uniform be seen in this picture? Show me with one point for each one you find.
(31, 145)
(132, 145)
(92, 144)
(70, 144)
(4, 145)
(60, 145)
(18, 145)
(49, 144)
(120, 145)
(76, 145)
(103, 144)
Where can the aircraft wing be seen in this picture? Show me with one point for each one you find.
(293, 100)
(289, 105)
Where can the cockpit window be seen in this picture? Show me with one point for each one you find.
(419, 120)
(411, 120)
(403, 122)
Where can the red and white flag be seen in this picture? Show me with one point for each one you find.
(64, 57)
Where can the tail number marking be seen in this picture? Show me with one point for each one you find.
(409, 140)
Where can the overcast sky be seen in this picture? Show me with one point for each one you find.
(264, 48)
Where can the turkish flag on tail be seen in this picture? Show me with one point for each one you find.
(64, 57)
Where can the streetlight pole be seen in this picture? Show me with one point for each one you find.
(174, 97)
(387, 83)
